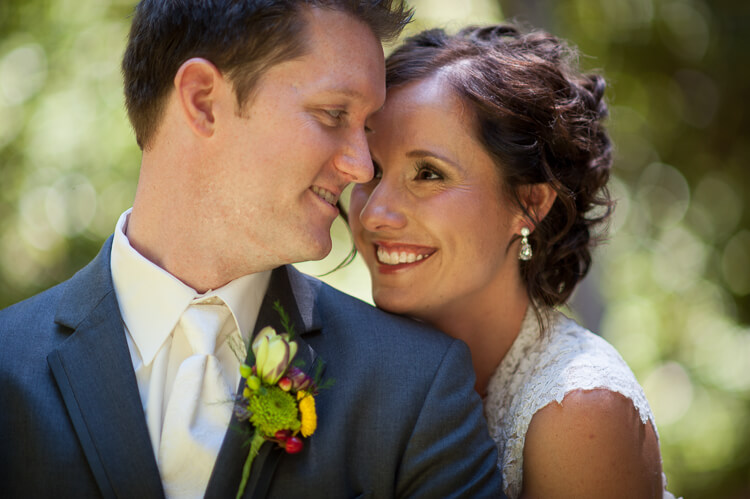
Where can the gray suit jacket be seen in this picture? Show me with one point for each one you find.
(401, 419)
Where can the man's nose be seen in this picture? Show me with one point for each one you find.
(354, 160)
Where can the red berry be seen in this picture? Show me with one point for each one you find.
(282, 435)
(293, 445)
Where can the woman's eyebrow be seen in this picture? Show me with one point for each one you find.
(421, 153)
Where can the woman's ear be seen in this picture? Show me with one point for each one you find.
(537, 199)
(196, 84)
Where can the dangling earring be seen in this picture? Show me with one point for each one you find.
(525, 253)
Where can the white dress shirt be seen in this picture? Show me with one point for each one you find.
(151, 302)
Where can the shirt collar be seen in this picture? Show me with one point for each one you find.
(244, 297)
(152, 300)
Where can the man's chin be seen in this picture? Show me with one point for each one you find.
(323, 252)
(316, 249)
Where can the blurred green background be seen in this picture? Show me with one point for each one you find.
(670, 289)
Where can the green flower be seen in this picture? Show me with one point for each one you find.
(273, 410)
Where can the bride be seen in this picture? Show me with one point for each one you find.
(491, 164)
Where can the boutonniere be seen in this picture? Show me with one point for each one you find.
(279, 398)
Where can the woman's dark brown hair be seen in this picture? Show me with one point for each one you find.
(541, 121)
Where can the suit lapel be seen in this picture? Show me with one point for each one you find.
(95, 376)
(297, 296)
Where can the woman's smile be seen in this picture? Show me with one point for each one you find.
(397, 256)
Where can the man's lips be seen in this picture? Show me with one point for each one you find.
(397, 254)
(324, 194)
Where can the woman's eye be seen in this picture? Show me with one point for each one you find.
(378, 172)
(427, 172)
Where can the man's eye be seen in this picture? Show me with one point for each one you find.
(333, 117)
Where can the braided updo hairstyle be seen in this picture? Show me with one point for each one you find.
(540, 120)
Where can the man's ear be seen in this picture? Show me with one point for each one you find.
(538, 200)
(197, 86)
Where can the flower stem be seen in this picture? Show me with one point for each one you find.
(255, 444)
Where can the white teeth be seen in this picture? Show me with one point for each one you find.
(325, 195)
(396, 257)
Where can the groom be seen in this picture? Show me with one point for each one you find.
(252, 117)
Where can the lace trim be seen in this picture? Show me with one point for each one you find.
(538, 370)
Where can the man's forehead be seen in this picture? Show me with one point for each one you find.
(356, 78)
(340, 59)
(331, 30)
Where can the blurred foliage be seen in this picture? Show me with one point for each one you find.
(671, 289)
(68, 158)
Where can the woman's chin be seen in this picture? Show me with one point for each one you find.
(391, 302)
(401, 302)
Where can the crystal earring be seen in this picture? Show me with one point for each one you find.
(525, 253)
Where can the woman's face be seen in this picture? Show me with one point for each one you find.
(433, 226)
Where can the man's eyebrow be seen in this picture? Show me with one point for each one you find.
(352, 95)
(346, 92)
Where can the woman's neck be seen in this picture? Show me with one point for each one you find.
(488, 324)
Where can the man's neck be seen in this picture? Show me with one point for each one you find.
(160, 242)
(169, 228)
(177, 221)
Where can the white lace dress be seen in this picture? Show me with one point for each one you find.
(541, 368)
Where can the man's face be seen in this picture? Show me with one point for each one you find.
(282, 164)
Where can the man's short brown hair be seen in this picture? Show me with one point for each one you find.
(242, 38)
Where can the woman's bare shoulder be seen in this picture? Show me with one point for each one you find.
(593, 444)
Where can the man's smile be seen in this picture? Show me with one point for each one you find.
(325, 195)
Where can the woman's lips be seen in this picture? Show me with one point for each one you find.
(400, 254)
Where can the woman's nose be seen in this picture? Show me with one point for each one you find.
(384, 209)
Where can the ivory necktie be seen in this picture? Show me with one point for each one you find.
(199, 407)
